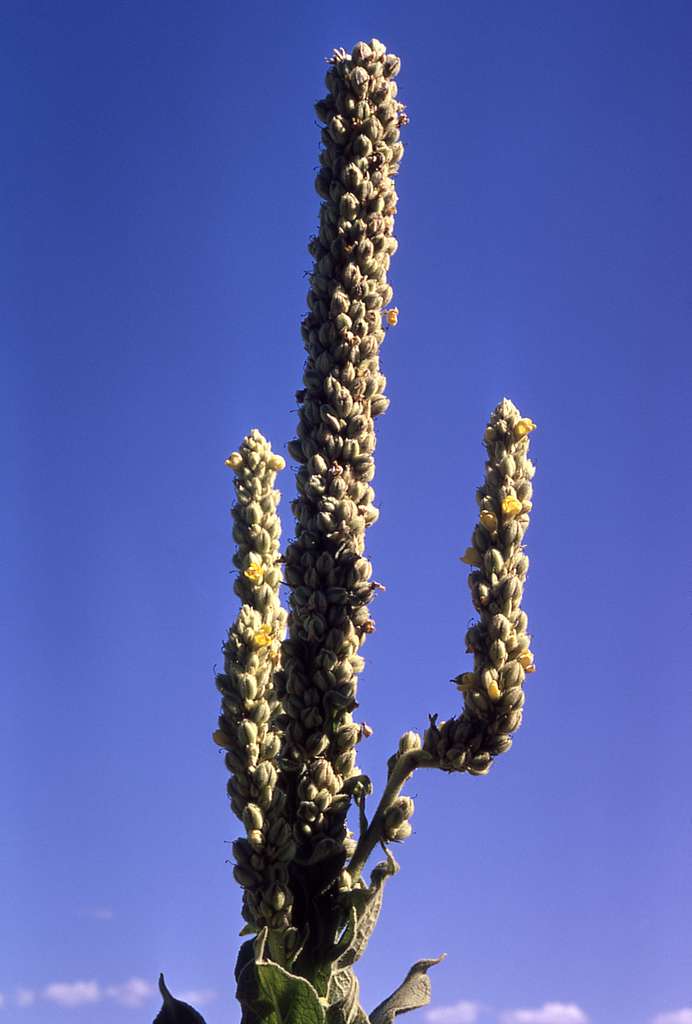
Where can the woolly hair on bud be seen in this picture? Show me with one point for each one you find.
(248, 724)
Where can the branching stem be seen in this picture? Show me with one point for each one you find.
(402, 770)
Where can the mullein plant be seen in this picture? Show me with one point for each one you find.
(289, 681)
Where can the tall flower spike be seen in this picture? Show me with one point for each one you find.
(248, 726)
(326, 568)
(493, 694)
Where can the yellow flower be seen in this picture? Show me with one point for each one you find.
(254, 572)
(264, 636)
(511, 507)
(525, 659)
(494, 691)
(489, 520)
(392, 316)
(470, 557)
(523, 427)
(276, 462)
(234, 460)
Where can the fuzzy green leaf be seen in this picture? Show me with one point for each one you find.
(413, 992)
(343, 996)
(246, 955)
(367, 904)
(345, 941)
(363, 930)
(291, 1000)
(269, 993)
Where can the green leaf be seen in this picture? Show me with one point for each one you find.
(259, 944)
(290, 999)
(413, 992)
(343, 998)
(345, 940)
(364, 929)
(246, 955)
(247, 990)
(174, 1011)
(368, 910)
(278, 940)
(269, 993)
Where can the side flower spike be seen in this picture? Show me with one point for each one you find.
(249, 728)
(493, 694)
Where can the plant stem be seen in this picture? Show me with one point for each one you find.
(402, 770)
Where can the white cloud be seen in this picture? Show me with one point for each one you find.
(72, 993)
(459, 1013)
(549, 1013)
(25, 997)
(197, 996)
(676, 1017)
(134, 992)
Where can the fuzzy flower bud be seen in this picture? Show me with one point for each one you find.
(234, 460)
(409, 741)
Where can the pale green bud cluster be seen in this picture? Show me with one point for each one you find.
(396, 825)
(329, 576)
(248, 726)
(499, 642)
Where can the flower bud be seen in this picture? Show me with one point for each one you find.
(488, 520)
(409, 741)
(401, 833)
(498, 653)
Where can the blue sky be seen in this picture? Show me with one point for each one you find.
(157, 174)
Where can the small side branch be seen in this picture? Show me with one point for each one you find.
(403, 768)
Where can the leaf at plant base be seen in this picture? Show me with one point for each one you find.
(364, 928)
(284, 946)
(247, 989)
(413, 992)
(174, 1011)
(343, 998)
(290, 999)
(368, 910)
(345, 940)
(246, 955)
